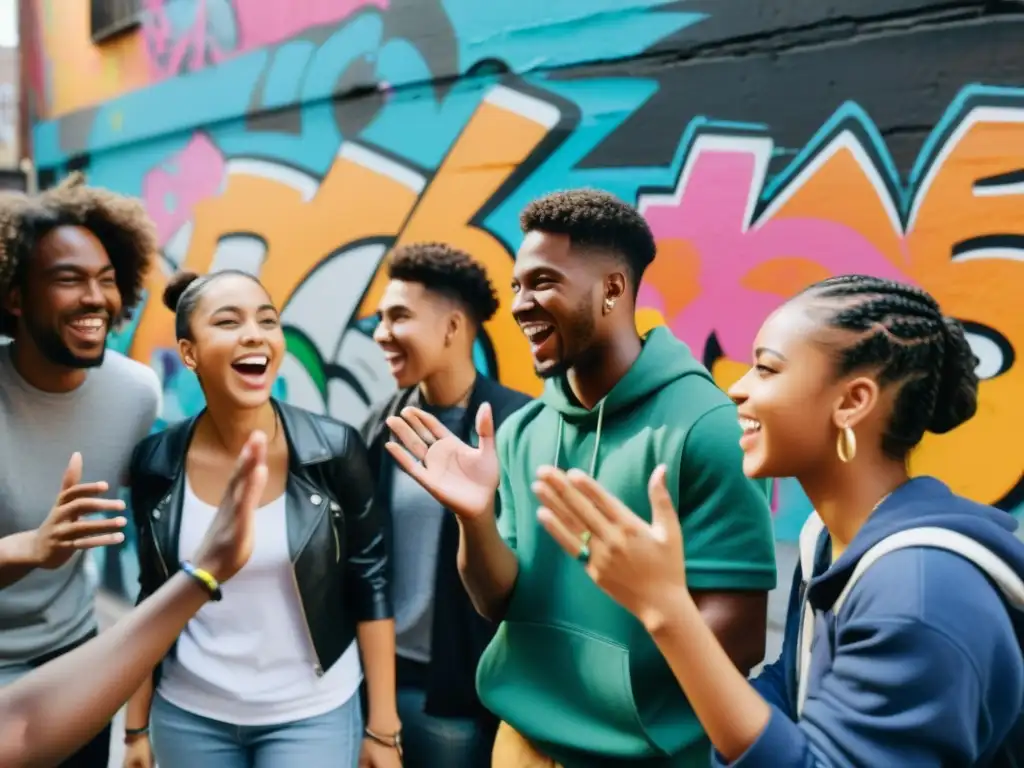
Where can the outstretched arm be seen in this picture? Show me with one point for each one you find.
(52, 711)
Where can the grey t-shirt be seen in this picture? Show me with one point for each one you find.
(103, 419)
(416, 518)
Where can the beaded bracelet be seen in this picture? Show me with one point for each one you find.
(203, 577)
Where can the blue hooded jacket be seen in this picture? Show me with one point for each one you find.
(923, 664)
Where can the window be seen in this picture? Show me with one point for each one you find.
(110, 18)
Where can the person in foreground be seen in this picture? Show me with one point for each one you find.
(920, 665)
(53, 710)
(271, 676)
(574, 677)
(431, 314)
(72, 262)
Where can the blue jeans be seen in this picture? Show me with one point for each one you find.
(438, 742)
(184, 740)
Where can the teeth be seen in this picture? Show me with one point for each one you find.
(749, 425)
(535, 330)
(252, 360)
(88, 323)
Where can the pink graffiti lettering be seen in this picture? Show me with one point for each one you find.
(172, 189)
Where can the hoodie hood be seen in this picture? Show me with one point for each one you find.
(926, 502)
(663, 359)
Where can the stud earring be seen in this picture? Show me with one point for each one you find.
(609, 304)
(846, 444)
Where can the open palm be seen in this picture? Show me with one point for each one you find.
(459, 476)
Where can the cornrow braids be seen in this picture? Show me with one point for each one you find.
(900, 331)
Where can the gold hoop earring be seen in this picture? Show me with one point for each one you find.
(846, 444)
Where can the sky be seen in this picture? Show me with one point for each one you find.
(8, 23)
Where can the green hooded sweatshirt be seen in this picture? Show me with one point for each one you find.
(568, 667)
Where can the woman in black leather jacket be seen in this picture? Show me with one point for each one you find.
(271, 675)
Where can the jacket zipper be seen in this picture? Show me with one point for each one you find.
(156, 543)
(318, 668)
(334, 529)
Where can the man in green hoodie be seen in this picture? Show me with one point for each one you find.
(574, 677)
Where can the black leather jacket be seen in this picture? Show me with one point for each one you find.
(334, 527)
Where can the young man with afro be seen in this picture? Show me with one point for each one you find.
(573, 676)
(430, 316)
(72, 262)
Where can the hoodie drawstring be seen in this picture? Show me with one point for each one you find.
(597, 440)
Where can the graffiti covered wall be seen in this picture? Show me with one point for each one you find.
(767, 148)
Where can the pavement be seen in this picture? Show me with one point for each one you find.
(109, 609)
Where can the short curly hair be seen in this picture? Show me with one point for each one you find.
(596, 219)
(120, 223)
(445, 270)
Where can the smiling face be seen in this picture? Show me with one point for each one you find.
(788, 399)
(237, 343)
(69, 298)
(558, 296)
(413, 325)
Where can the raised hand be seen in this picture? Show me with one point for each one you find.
(640, 565)
(63, 533)
(462, 478)
(228, 543)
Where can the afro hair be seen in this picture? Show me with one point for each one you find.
(595, 219)
(448, 271)
(120, 223)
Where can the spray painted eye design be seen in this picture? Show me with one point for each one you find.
(994, 352)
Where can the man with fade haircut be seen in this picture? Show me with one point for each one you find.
(430, 317)
(72, 263)
(574, 677)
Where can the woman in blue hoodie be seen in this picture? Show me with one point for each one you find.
(921, 664)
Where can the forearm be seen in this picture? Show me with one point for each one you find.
(16, 557)
(732, 712)
(377, 649)
(137, 716)
(487, 565)
(55, 709)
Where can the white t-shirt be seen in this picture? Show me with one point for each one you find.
(248, 658)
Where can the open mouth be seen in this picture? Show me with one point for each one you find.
(749, 426)
(252, 366)
(537, 333)
(89, 327)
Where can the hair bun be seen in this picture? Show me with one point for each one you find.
(957, 397)
(176, 286)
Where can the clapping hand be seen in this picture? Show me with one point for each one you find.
(640, 565)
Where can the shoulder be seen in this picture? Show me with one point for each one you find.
(160, 452)
(317, 436)
(930, 587)
(131, 373)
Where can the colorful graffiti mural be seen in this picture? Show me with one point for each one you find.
(346, 130)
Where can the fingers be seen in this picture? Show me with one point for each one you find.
(663, 512)
(413, 443)
(565, 538)
(427, 426)
(73, 474)
(88, 506)
(571, 508)
(82, 490)
(92, 542)
(485, 422)
(613, 510)
(69, 532)
(254, 451)
(413, 468)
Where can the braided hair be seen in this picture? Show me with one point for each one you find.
(899, 331)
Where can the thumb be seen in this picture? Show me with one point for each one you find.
(73, 474)
(663, 513)
(485, 427)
